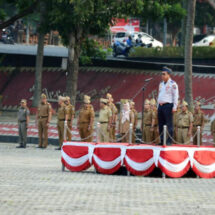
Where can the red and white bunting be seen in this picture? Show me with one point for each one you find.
(174, 161)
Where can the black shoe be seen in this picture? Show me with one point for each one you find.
(19, 147)
(160, 144)
(59, 148)
(168, 144)
(39, 147)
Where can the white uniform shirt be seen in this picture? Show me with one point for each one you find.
(168, 93)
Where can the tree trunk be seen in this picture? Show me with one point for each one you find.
(38, 71)
(188, 52)
(73, 65)
(183, 24)
(39, 59)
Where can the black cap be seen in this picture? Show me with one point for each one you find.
(167, 69)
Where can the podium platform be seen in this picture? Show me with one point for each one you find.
(107, 158)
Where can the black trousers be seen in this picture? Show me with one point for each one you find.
(165, 118)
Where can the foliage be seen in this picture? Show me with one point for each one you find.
(205, 14)
(172, 52)
(91, 16)
(91, 49)
(156, 10)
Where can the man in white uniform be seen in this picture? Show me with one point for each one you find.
(167, 102)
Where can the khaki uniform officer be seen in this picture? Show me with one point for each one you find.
(175, 122)
(105, 115)
(198, 120)
(154, 129)
(23, 121)
(213, 129)
(185, 124)
(113, 118)
(69, 118)
(86, 120)
(148, 122)
(126, 118)
(61, 115)
(43, 118)
(132, 106)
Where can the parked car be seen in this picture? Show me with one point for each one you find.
(197, 38)
(120, 37)
(205, 41)
(212, 44)
(146, 40)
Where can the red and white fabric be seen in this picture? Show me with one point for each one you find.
(139, 161)
(107, 158)
(204, 163)
(77, 156)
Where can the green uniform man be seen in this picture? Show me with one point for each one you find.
(185, 124)
(135, 113)
(23, 121)
(69, 118)
(61, 115)
(85, 120)
(43, 118)
(114, 112)
(148, 122)
(105, 115)
(198, 120)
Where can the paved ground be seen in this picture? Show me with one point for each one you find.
(31, 182)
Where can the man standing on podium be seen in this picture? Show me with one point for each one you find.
(167, 103)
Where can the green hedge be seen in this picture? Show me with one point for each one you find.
(172, 52)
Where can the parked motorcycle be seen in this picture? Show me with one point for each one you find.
(120, 49)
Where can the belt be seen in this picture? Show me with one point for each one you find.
(147, 125)
(103, 122)
(183, 127)
(41, 117)
(83, 122)
(61, 119)
(197, 125)
(22, 121)
(69, 120)
(161, 104)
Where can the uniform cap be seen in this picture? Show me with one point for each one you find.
(167, 69)
(62, 98)
(152, 102)
(43, 96)
(147, 102)
(184, 103)
(86, 99)
(132, 103)
(124, 101)
(67, 98)
(198, 103)
(23, 101)
(102, 100)
(108, 96)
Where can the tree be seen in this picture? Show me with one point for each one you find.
(22, 8)
(43, 28)
(77, 19)
(204, 15)
(188, 52)
(171, 11)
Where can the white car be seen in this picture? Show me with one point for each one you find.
(121, 37)
(146, 39)
(206, 41)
